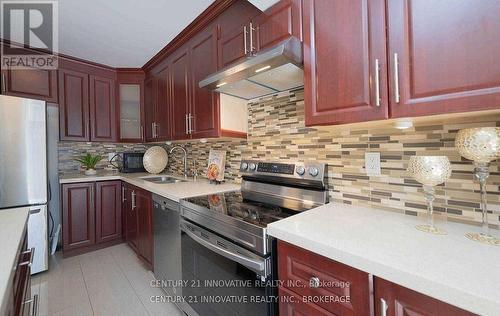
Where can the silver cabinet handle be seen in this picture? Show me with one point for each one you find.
(383, 307)
(191, 117)
(4, 83)
(153, 130)
(396, 78)
(142, 133)
(123, 195)
(377, 82)
(34, 304)
(133, 200)
(187, 124)
(251, 38)
(31, 252)
(314, 282)
(245, 32)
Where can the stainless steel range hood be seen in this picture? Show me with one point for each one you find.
(273, 70)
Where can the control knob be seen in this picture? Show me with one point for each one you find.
(313, 171)
(244, 166)
(252, 166)
(300, 170)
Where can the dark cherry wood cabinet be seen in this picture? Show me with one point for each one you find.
(204, 104)
(74, 112)
(150, 88)
(87, 105)
(394, 300)
(291, 304)
(91, 216)
(234, 33)
(144, 209)
(443, 56)
(162, 127)
(102, 109)
(305, 274)
(180, 94)
(130, 216)
(78, 216)
(282, 20)
(32, 83)
(130, 112)
(108, 211)
(345, 68)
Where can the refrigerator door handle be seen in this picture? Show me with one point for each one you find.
(35, 211)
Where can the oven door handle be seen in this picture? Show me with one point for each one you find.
(247, 262)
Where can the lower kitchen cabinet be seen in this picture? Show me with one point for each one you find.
(314, 285)
(138, 212)
(394, 300)
(108, 211)
(305, 274)
(91, 215)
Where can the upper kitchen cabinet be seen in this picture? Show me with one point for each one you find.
(180, 94)
(73, 105)
(157, 105)
(204, 110)
(235, 37)
(33, 83)
(345, 76)
(130, 86)
(277, 23)
(150, 88)
(102, 109)
(87, 107)
(443, 56)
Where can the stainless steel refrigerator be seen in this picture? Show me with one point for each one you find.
(23, 168)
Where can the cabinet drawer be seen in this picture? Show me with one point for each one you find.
(293, 305)
(344, 290)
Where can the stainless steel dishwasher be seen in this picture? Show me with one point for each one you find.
(167, 245)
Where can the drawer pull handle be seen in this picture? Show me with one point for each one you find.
(314, 282)
(28, 263)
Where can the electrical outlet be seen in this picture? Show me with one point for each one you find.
(110, 156)
(372, 163)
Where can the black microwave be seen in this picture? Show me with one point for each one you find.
(132, 162)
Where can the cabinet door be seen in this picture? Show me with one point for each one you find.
(180, 94)
(278, 23)
(73, 105)
(163, 105)
(447, 55)
(234, 46)
(401, 301)
(78, 215)
(108, 211)
(130, 215)
(343, 40)
(102, 109)
(204, 102)
(32, 83)
(150, 89)
(299, 269)
(145, 226)
(291, 304)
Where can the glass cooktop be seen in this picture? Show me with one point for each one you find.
(233, 204)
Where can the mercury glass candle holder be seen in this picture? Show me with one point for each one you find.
(430, 171)
(481, 145)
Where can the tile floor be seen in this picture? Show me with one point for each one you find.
(110, 281)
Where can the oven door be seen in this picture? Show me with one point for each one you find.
(221, 278)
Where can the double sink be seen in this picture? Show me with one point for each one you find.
(162, 179)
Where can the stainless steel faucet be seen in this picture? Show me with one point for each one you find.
(185, 157)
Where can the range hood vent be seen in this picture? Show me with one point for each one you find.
(273, 70)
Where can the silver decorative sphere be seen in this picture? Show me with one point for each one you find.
(430, 170)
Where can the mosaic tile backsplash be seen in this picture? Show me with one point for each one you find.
(277, 132)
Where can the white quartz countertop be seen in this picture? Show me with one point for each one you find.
(12, 223)
(173, 191)
(450, 268)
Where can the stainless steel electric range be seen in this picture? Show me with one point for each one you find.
(228, 260)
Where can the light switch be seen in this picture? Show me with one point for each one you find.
(372, 163)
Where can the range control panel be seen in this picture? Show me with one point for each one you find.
(295, 170)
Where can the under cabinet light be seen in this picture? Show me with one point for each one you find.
(263, 68)
(221, 84)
